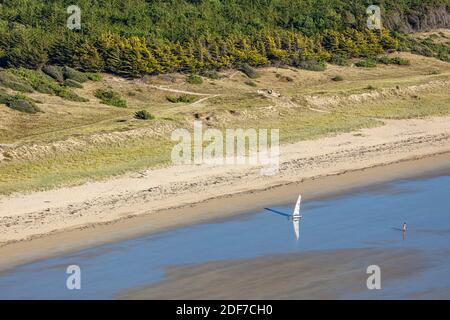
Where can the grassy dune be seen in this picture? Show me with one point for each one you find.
(73, 142)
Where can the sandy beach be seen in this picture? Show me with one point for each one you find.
(46, 223)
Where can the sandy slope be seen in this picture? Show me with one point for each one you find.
(23, 216)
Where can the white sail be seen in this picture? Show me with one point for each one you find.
(297, 207)
(296, 217)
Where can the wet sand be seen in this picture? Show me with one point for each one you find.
(311, 275)
(57, 243)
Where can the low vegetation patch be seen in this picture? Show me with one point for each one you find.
(94, 76)
(250, 83)
(110, 98)
(194, 79)
(311, 65)
(144, 115)
(61, 74)
(435, 71)
(17, 86)
(23, 105)
(43, 83)
(10, 81)
(211, 74)
(339, 60)
(75, 75)
(73, 84)
(395, 60)
(367, 63)
(19, 103)
(249, 71)
(372, 62)
(54, 71)
(429, 47)
(3, 97)
(337, 78)
(284, 78)
(182, 98)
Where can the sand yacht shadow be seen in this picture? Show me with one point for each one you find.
(295, 221)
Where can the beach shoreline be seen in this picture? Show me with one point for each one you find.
(49, 223)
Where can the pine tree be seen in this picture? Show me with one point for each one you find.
(109, 48)
(87, 58)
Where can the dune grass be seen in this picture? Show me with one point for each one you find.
(91, 164)
(96, 163)
(233, 104)
(418, 106)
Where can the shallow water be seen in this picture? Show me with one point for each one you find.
(368, 218)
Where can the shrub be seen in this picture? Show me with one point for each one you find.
(26, 55)
(212, 74)
(86, 57)
(173, 99)
(396, 60)
(435, 71)
(311, 65)
(111, 98)
(183, 98)
(249, 71)
(17, 86)
(370, 87)
(19, 103)
(337, 78)
(38, 80)
(9, 80)
(43, 83)
(368, 63)
(384, 60)
(72, 74)
(284, 78)
(55, 72)
(422, 50)
(250, 83)
(71, 96)
(7, 77)
(4, 97)
(400, 61)
(144, 115)
(73, 84)
(339, 60)
(194, 79)
(94, 76)
(23, 106)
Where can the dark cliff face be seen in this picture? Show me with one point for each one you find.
(419, 21)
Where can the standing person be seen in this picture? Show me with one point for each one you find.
(404, 227)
